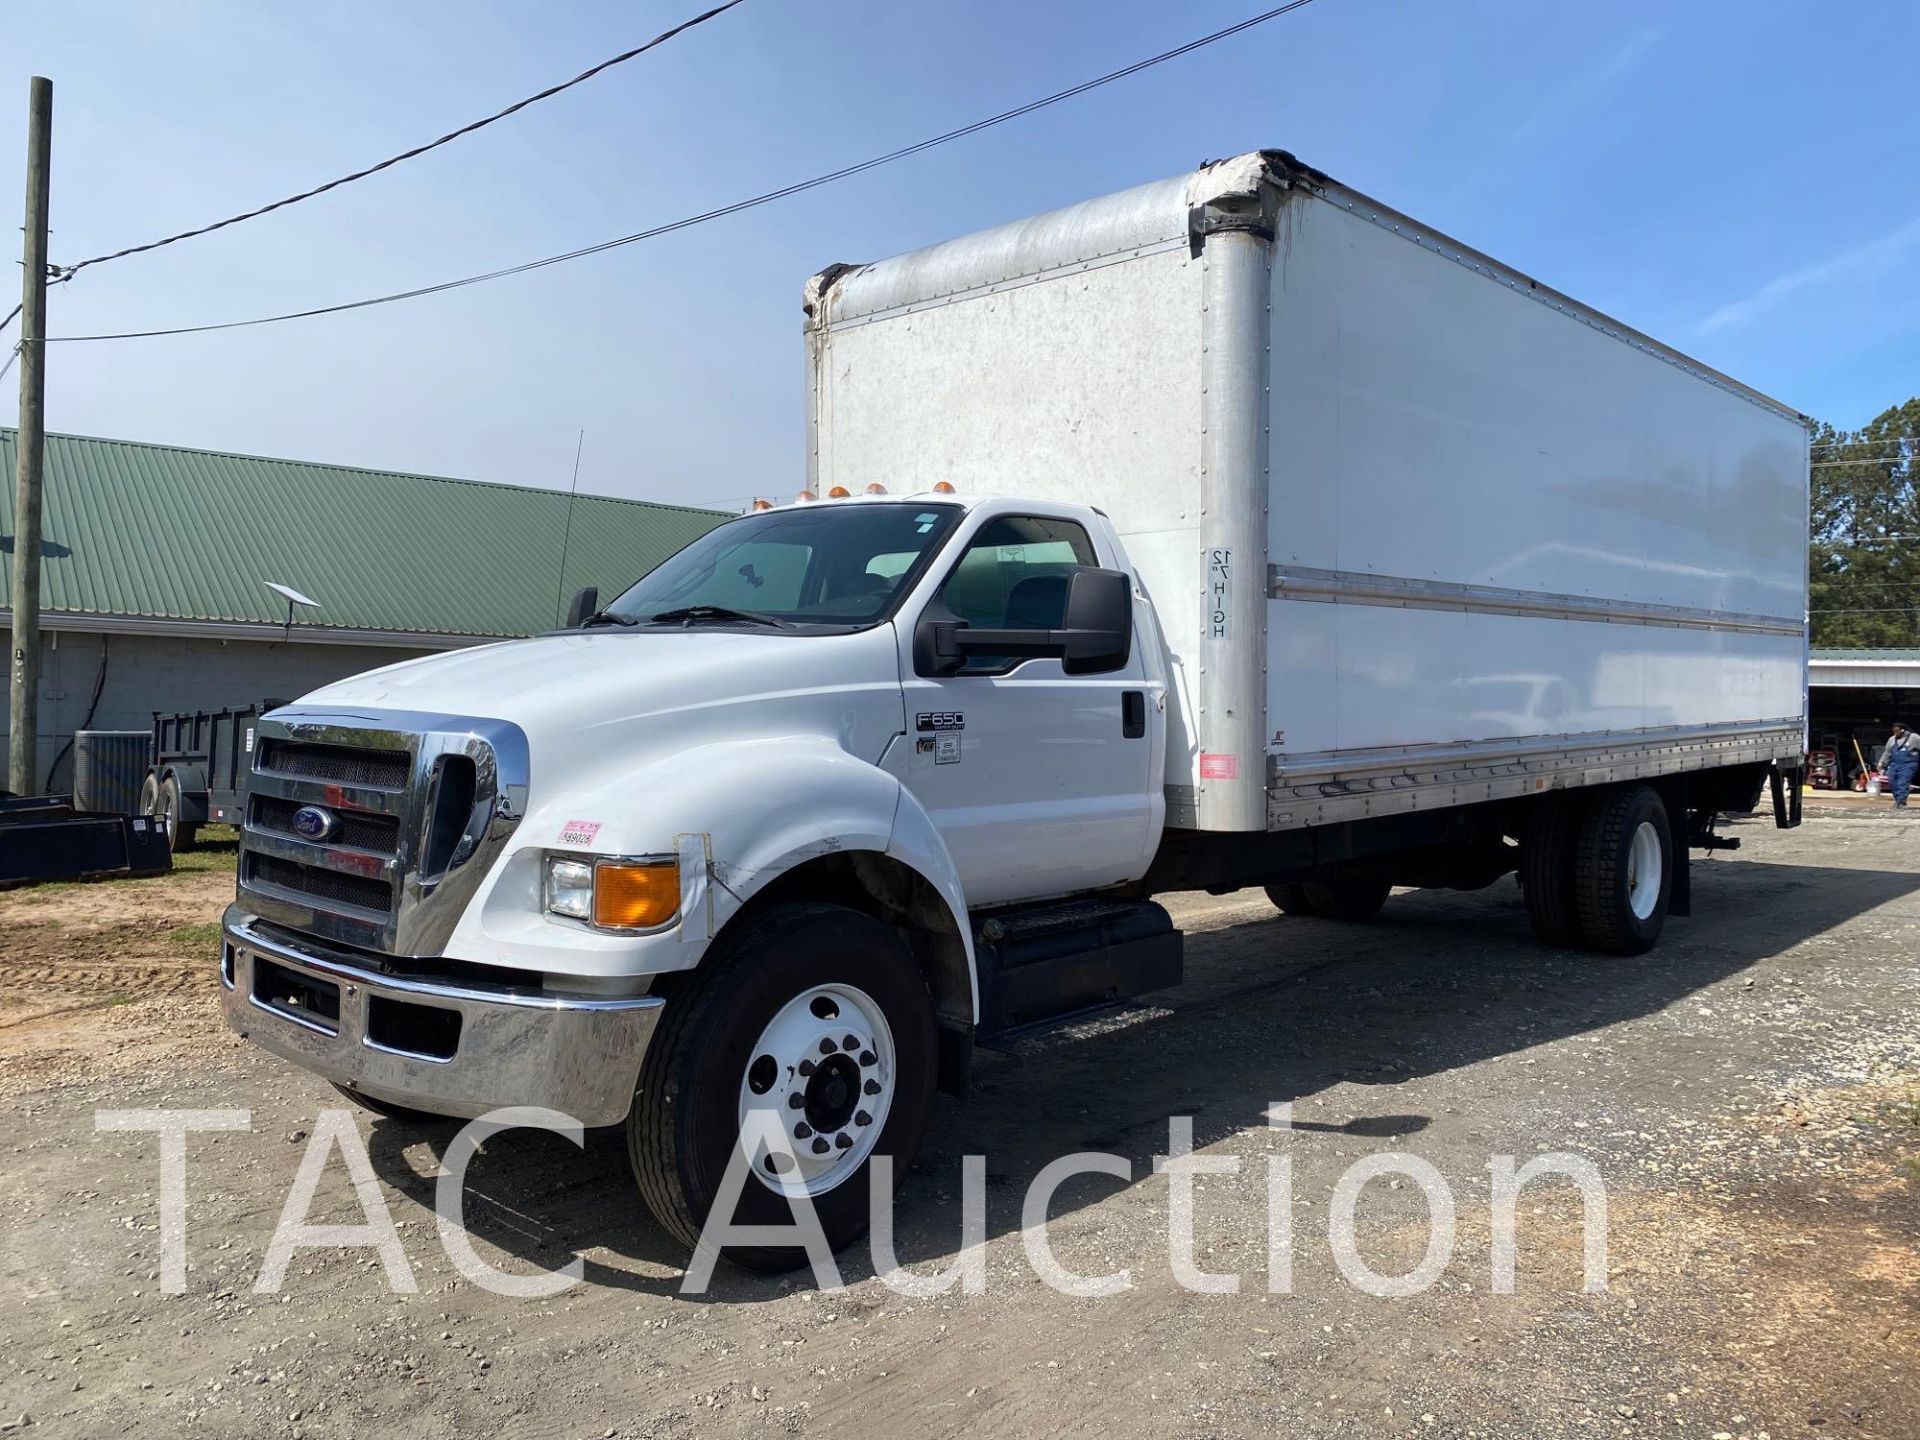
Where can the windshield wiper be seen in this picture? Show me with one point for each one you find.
(607, 617)
(690, 613)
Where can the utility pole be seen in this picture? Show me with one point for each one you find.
(23, 704)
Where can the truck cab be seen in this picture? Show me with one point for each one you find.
(788, 770)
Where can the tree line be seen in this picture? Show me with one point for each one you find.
(1864, 560)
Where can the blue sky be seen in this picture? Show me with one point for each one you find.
(1735, 178)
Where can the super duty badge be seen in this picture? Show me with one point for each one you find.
(940, 720)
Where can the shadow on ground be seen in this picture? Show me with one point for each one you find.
(1271, 1010)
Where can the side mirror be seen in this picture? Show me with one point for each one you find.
(1098, 628)
(1095, 633)
(585, 601)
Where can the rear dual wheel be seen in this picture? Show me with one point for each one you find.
(1597, 871)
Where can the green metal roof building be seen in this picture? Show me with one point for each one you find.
(156, 560)
(162, 534)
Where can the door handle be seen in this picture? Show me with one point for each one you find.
(1133, 714)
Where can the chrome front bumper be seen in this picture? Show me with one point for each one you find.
(451, 1048)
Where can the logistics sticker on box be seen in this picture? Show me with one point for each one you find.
(579, 832)
(1219, 767)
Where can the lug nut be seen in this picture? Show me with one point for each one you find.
(872, 1087)
(820, 1144)
(862, 1118)
(802, 1130)
(867, 1057)
(842, 1141)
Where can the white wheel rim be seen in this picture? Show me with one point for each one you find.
(829, 1086)
(1643, 871)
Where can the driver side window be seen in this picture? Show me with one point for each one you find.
(1013, 576)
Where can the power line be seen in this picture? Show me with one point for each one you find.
(69, 271)
(1862, 444)
(766, 197)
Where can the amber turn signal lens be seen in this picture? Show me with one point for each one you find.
(635, 897)
(838, 492)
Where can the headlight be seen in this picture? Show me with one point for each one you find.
(614, 894)
(570, 888)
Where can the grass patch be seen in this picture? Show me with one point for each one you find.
(194, 940)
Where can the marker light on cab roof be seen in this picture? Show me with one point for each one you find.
(762, 504)
(838, 492)
(876, 488)
(944, 487)
(805, 497)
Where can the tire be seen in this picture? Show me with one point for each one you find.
(1357, 899)
(180, 834)
(1546, 870)
(387, 1110)
(1291, 899)
(736, 1022)
(1622, 907)
(149, 802)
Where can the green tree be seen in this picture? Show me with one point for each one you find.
(1864, 564)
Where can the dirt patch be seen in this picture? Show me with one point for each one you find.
(110, 976)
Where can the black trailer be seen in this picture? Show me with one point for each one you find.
(42, 838)
(200, 764)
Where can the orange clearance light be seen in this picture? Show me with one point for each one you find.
(876, 488)
(943, 487)
(838, 492)
(635, 897)
(763, 504)
(803, 497)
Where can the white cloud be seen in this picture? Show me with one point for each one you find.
(1859, 262)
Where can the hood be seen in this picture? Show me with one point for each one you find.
(572, 684)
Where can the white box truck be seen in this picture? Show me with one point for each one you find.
(1234, 531)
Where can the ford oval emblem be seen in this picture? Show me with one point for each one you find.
(312, 823)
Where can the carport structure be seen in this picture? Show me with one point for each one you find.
(1857, 695)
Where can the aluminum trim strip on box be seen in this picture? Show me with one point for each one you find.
(1320, 790)
(1351, 587)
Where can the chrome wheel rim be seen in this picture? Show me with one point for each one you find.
(825, 1069)
(1643, 871)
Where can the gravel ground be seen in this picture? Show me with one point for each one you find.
(1750, 1094)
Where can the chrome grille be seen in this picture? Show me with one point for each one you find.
(329, 887)
(420, 805)
(377, 834)
(382, 769)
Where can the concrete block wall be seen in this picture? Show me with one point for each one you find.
(147, 673)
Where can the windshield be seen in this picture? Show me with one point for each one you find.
(820, 565)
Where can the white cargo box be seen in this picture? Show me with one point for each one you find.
(1420, 530)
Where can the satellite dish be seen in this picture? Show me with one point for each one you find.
(293, 597)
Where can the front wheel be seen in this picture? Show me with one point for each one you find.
(810, 1018)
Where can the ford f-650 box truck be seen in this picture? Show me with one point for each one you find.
(1232, 531)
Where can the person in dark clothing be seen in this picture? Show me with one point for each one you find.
(1900, 762)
